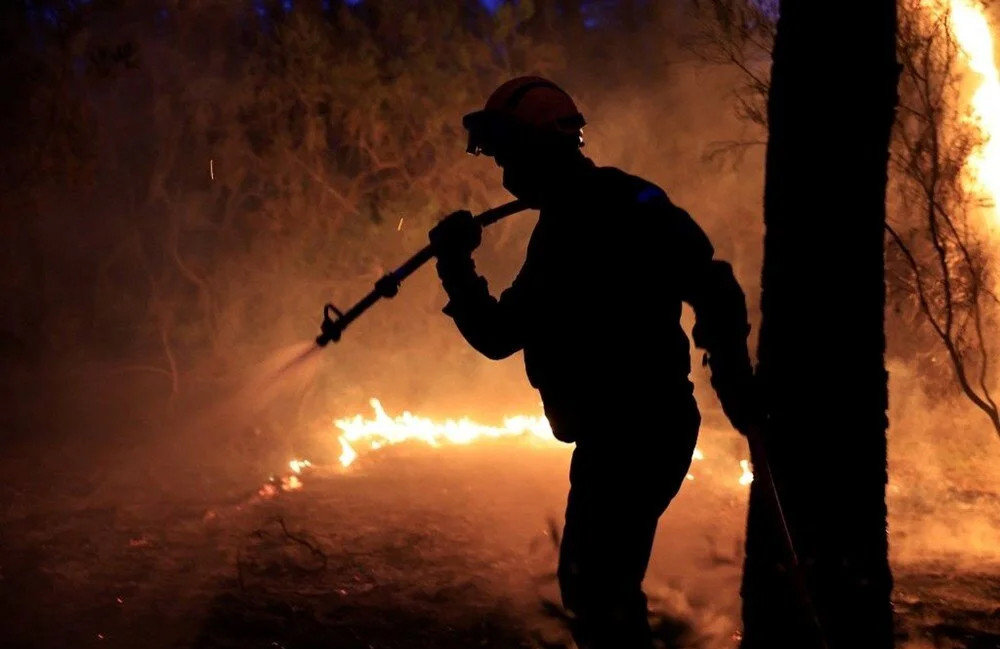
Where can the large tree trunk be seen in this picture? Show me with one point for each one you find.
(822, 341)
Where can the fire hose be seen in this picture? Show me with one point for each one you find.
(388, 285)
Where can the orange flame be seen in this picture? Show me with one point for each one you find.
(384, 430)
(972, 31)
(360, 435)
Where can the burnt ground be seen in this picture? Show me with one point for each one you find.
(152, 546)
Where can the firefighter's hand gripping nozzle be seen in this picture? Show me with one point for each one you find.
(388, 286)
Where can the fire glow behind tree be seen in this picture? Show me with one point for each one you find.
(972, 30)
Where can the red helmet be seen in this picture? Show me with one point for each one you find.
(527, 108)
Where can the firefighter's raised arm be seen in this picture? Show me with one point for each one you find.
(491, 326)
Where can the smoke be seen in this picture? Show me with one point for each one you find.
(943, 477)
(216, 254)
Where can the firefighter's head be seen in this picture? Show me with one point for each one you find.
(532, 129)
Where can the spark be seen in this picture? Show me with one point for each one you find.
(399, 227)
(211, 168)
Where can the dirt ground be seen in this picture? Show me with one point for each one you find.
(104, 544)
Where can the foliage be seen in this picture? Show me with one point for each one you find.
(939, 259)
(225, 156)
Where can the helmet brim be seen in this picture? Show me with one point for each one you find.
(487, 130)
(490, 130)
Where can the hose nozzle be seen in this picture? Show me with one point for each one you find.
(388, 286)
(330, 329)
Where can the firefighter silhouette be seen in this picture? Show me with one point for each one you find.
(596, 309)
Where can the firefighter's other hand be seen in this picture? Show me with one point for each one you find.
(457, 235)
(745, 417)
(740, 400)
(745, 414)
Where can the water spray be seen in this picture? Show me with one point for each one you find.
(388, 286)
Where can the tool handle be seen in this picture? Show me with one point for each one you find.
(762, 471)
(492, 215)
(413, 263)
(489, 217)
(388, 286)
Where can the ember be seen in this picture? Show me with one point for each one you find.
(291, 482)
(298, 465)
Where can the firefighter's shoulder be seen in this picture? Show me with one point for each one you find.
(630, 189)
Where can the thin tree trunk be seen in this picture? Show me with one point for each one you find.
(822, 341)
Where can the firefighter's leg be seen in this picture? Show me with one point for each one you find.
(616, 497)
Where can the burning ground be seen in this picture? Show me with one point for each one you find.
(411, 545)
